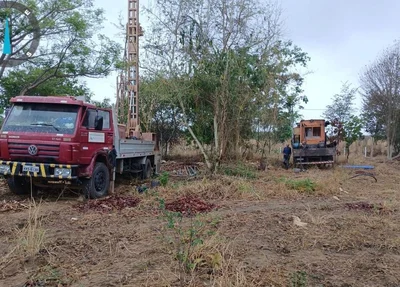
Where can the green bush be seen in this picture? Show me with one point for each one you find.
(301, 185)
(240, 171)
(164, 177)
(298, 279)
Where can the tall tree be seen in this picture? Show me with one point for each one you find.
(160, 113)
(214, 56)
(352, 131)
(70, 45)
(14, 81)
(342, 106)
(374, 121)
(380, 86)
(345, 126)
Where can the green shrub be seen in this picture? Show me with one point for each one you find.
(302, 185)
(240, 171)
(298, 279)
(164, 177)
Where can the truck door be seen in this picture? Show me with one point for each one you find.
(91, 139)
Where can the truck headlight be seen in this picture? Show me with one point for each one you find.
(62, 171)
(4, 168)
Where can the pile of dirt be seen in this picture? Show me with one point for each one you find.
(13, 205)
(109, 203)
(190, 205)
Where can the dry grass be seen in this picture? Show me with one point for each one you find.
(315, 218)
(26, 244)
(32, 236)
(254, 241)
(269, 184)
(216, 258)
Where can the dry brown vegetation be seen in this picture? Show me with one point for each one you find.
(253, 228)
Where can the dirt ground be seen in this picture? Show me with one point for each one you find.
(254, 228)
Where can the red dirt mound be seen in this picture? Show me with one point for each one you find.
(366, 206)
(190, 205)
(109, 204)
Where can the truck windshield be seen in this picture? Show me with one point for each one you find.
(42, 118)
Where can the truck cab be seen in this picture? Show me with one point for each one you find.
(50, 142)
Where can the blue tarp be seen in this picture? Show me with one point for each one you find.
(359, 166)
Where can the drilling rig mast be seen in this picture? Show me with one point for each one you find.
(127, 104)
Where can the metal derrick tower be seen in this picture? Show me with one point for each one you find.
(127, 104)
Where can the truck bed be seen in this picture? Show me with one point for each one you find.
(134, 148)
(314, 152)
(314, 156)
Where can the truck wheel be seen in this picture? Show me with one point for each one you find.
(20, 185)
(97, 185)
(147, 169)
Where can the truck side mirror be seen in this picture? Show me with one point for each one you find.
(98, 123)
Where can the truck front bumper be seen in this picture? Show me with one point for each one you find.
(39, 170)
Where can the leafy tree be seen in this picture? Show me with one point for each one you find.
(281, 96)
(167, 125)
(221, 62)
(380, 90)
(374, 122)
(352, 131)
(342, 107)
(12, 83)
(345, 126)
(160, 113)
(70, 45)
(105, 103)
(339, 112)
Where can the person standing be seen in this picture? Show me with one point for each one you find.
(287, 152)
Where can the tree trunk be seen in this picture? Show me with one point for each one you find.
(209, 162)
(237, 136)
(216, 134)
(372, 147)
(391, 150)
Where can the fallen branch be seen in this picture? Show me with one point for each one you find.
(397, 157)
(365, 174)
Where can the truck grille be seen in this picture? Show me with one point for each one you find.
(45, 151)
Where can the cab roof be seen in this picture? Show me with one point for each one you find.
(313, 120)
(68, 100)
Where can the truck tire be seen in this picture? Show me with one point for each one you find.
(147, 170)
(20, 186)
(97, 186)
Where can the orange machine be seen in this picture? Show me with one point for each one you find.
(310, 145)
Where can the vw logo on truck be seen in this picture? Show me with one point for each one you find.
(32, 150)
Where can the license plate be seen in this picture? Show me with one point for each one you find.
(30, 168)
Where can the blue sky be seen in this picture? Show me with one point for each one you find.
(341, 37)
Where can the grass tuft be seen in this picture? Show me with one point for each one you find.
(240, 170)
(32, 235)
(301, 185)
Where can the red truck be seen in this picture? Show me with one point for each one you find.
(53, 142)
